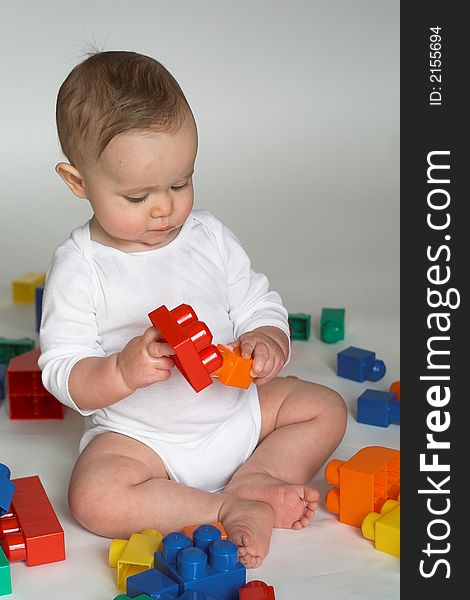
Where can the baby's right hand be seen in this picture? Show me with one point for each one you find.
(145, 360)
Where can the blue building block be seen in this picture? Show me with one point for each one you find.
(39, 291)
(214, 571)
(358, 364)
(7, 488)
(152, 583)
(3, 370)
(378, 408)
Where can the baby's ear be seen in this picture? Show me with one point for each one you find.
(72, 178)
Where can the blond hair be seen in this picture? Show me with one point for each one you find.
(113, 92)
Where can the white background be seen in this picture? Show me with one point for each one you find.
(297, 105)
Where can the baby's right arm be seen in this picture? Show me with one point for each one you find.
(96, 382)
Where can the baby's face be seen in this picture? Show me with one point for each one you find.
(141, 188)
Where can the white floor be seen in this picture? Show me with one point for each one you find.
(328, 560)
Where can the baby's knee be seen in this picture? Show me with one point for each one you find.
(332, 407)
(93, 503)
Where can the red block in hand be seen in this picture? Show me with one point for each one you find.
(195, 356)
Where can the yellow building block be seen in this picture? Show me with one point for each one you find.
(134, 555)
(23, 288)
(384, 528)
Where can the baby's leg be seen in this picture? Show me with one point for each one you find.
(302, 424)
(119, 486)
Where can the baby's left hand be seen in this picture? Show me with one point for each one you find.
(268, 347)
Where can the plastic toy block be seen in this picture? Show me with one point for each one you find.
(3, 370)
(363, 483)
(23, 288)
(189, 530)
(257, 590)
(384, 528)
(7, 488)
(134, 555)
(378, 408)
(11, 348)
(395, 389)
(28, 398)
(215, 572)
(332, 325)
(31, 530)
(235, 370)
(358, 364)
(195, 356)
(153, 583)
(5, 576)
(300, 325)
(38, 294)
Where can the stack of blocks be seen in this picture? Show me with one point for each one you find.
(206, 567)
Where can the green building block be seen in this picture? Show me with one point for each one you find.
(5, 577)
(332, 325)
(11, 348)
(300, 325)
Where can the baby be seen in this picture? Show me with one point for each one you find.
(154, 453)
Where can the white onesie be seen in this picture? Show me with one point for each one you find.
(97, 298)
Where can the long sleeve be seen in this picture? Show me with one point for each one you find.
(68, 330)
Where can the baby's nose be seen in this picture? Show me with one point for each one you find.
(162, 207)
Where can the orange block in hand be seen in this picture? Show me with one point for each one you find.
(235, 370)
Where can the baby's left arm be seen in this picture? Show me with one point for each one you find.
(268, 347)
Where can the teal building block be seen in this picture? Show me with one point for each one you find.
(5, 576)
(332, 325)
(300, 326)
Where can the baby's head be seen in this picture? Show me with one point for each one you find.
(129, 135)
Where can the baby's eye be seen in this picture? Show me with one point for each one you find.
(134, 200)
(177, 188)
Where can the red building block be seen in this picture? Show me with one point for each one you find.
(31, 530)
(28, 398)
(257, 590)
(195, 356)
(363, 483)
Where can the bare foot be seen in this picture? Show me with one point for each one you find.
(293, 504)
(249, 525)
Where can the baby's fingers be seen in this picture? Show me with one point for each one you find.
(159, 350)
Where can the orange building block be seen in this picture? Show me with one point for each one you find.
(395, 389)
(189, 530)
(363, 483)
(235, 370)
